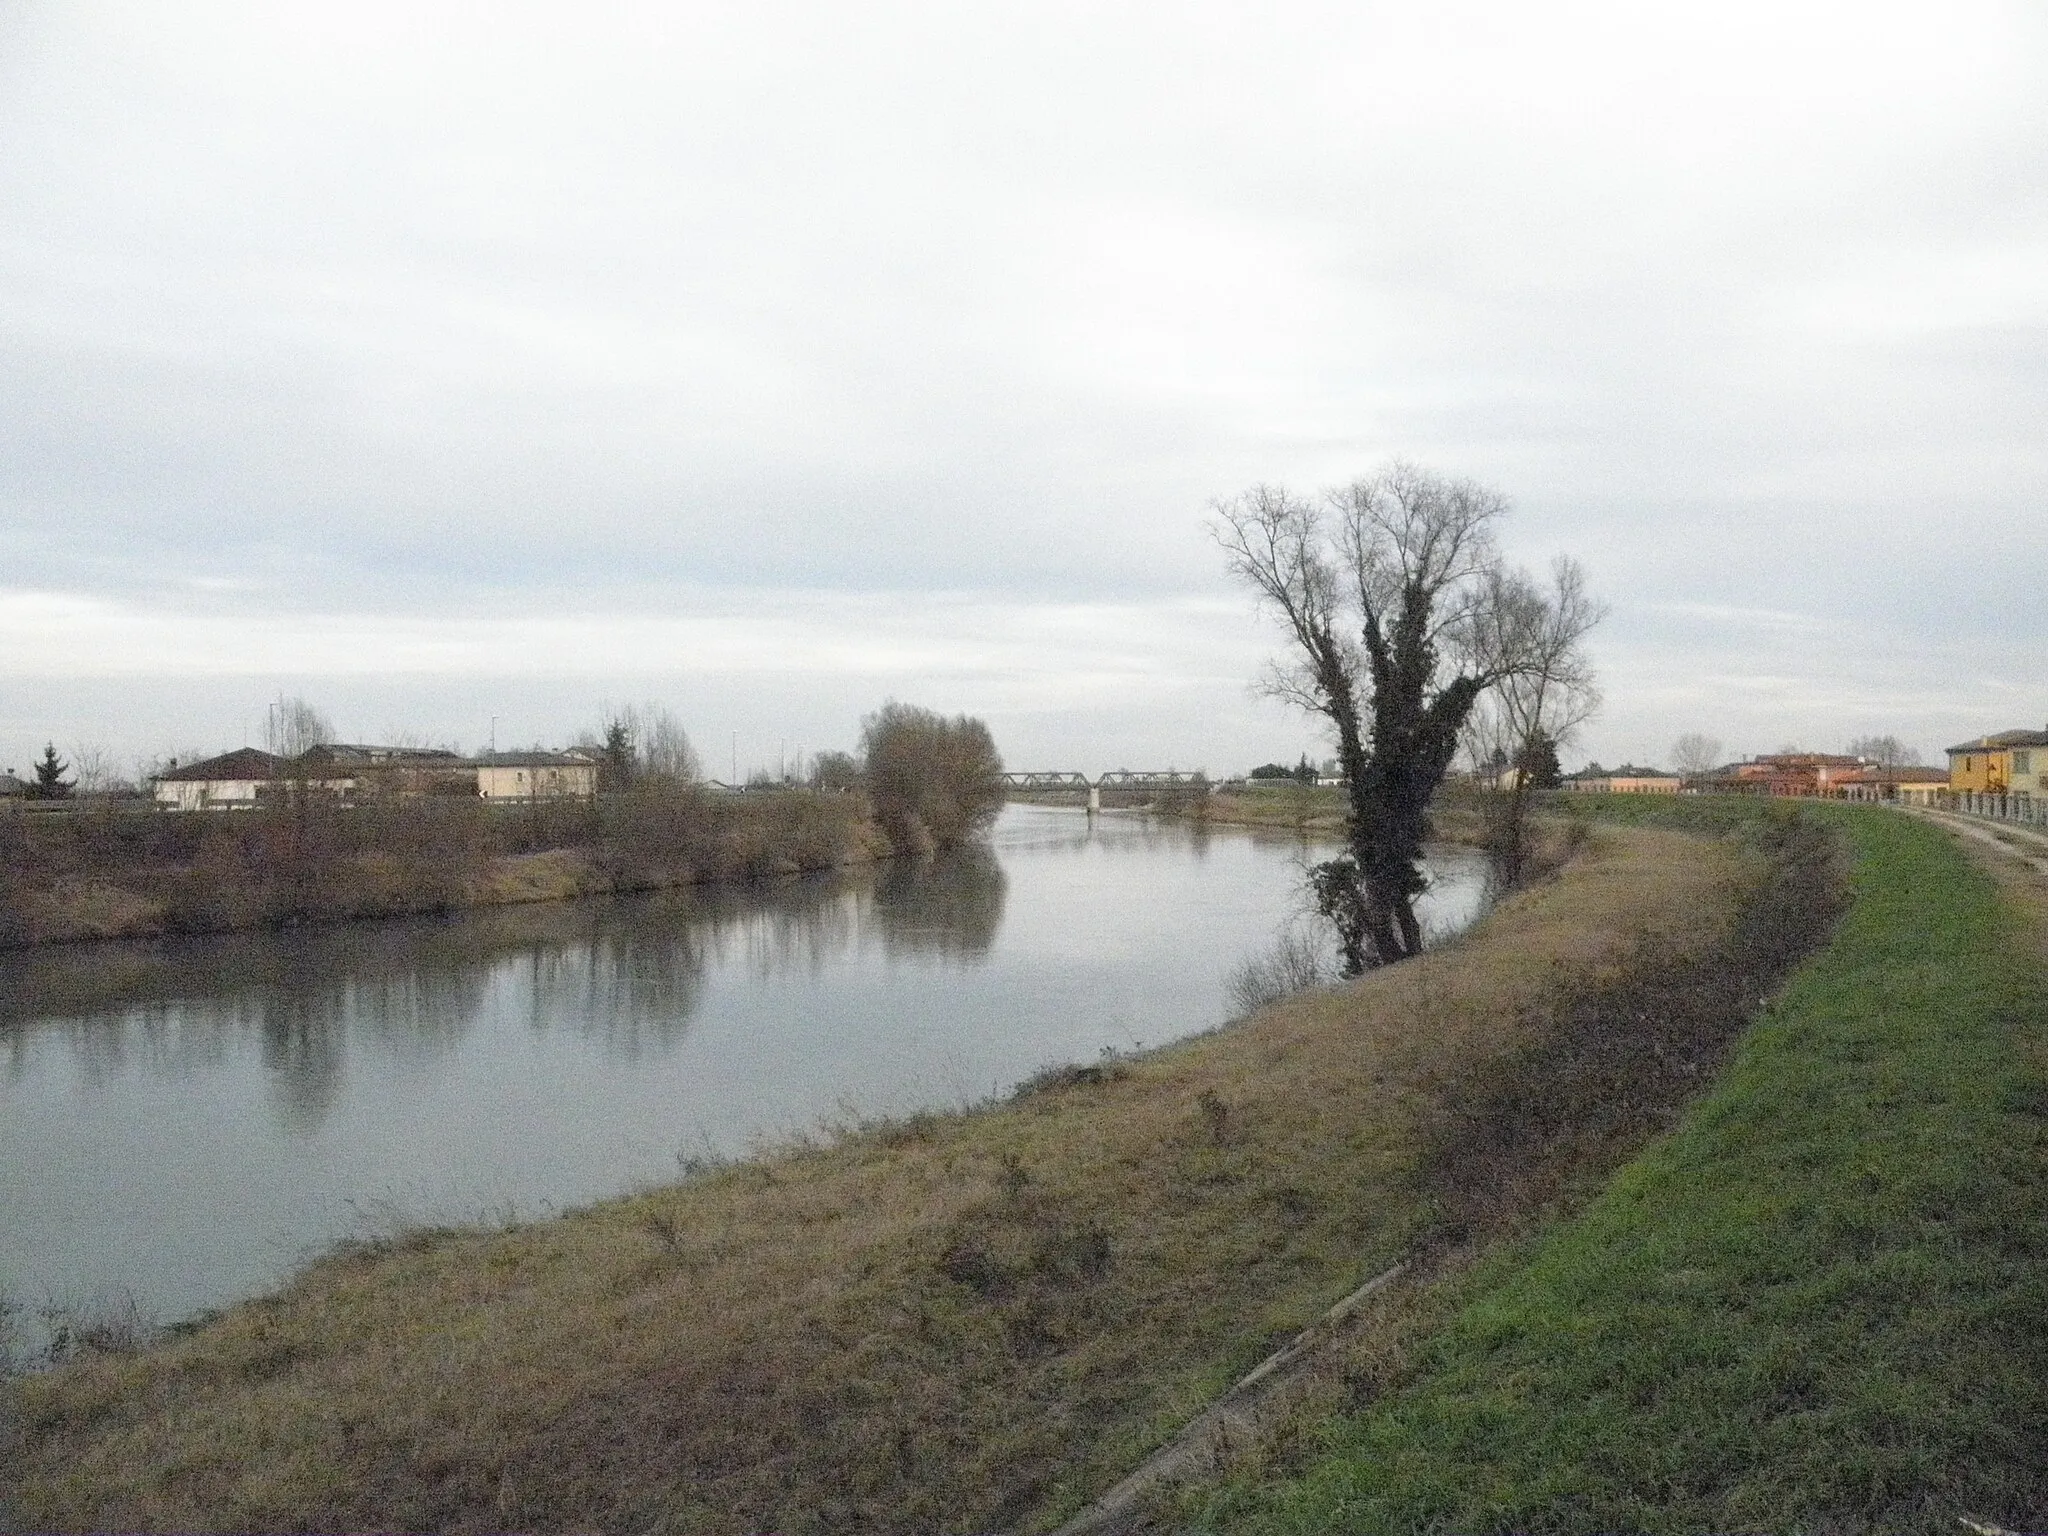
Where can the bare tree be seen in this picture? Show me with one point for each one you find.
(665, 750)
(1885, 751)
(1695, 755)
(94, 764)
(834, 770)
(1388, 589)
(1541, 693)
(643, 742)
(294, 727)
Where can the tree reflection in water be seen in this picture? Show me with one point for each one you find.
(951, 906)
(235, 1098)
(628, 971)
(304, 1049)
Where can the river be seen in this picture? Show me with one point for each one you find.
(183, 1122)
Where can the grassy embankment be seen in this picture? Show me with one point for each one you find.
(1319, 811)
(1289, 807)
(954, 1322)
(123, 874)
(1821, 1306)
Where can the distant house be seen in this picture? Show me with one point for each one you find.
(343, 771)
(1625, 780)
(1821, 774)
(507, 776)
(233, 781)
(1912, 786)
(356, 772)
(2010, 763)
(12, 790)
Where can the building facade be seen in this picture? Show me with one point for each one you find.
(510, 776)
(1626, 784)
(1907, 786)
(2009, 763)
(1802, 774)
(356, 772)
(232, 781)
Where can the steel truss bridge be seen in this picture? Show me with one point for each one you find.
(1123, 778)
(1122, 781)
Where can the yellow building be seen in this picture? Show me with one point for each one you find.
(1625, 781)
(2010, 763)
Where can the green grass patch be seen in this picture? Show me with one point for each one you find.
(1820, 1305)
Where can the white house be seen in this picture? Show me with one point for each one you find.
(536, 776)
(231, 781)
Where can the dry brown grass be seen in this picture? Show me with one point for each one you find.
(952, 1323)
(559, 874)
(99, 875)
(89, 909)
(1293, 807)
(1320, 812)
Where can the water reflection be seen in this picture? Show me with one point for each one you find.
(950, 907)
(627, 973)
(181, 1118)
(303, 1055)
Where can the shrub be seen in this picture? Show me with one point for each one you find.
(1294, 963)
(934, 782)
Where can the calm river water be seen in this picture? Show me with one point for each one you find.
(183, 1122)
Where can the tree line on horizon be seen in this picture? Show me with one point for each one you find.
(933, 781)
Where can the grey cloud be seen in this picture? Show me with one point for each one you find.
(401, 311)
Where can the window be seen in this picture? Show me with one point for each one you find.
(2023, 762)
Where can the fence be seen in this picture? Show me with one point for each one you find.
(2023, 808)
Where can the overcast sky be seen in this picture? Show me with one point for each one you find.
(452, 364)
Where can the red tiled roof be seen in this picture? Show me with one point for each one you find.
(250, 763)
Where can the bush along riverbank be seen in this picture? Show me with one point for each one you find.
(961, 1322)
(124, 874)
(924, 782)
(1820, 1305)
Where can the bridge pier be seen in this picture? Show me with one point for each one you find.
(1094, 798)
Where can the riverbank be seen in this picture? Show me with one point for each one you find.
(1819, 1306)
(119, 875)
(1321, 811)
(953, 1321)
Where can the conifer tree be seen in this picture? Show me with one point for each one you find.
(50, 781)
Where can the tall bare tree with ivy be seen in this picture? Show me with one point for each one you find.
(1390, 590)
